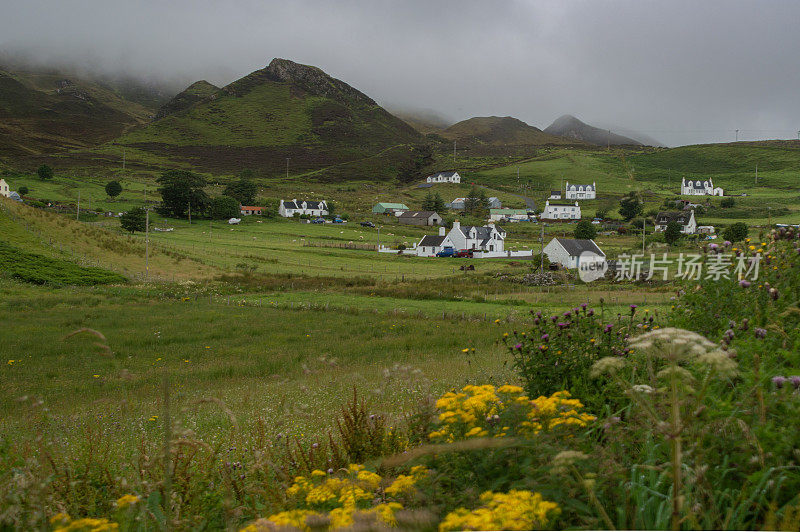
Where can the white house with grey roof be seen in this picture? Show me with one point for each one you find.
(581, 192)
(700, 188)
(684, 218)
(560, 212)
(487, 238)
(571, 252)
(444, 177)
(287, 209)
(4, 188)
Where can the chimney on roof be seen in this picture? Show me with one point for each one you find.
(441, 231)
(456, 225)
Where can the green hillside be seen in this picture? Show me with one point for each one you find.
(194, 93)
(42, 113)
(285, 110)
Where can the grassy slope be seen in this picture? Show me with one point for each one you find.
(58, 236)
(35, 118)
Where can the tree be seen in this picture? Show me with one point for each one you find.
(672, 233)
(427, 203)
(727, 203)
(23, 190)
(411, 169)
(271, 206)
(243, 190)
(134, 220)
(331, 208)
(585, 230)
(45, 172)
(476, 203)
(438, 203)
(113, 189)
(736, 232)
(224, 208)
(181, 190)
(630, 206)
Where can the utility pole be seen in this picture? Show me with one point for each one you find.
(756, 174)
(146, 244)
(123, 159)
(287, 168)
(518, 186)
(644, 223)
(454, 154)
(541, 247)
(78, 209)
(379, 238)
(190, 213)
(737, 135)
(608, 140)
(145, 194)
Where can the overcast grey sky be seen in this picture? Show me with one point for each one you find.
(679, 71)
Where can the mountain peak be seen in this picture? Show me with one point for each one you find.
(571, 127)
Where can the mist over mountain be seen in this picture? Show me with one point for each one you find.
(570, 127)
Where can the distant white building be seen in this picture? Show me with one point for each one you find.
(555, 195)
(519, 215)
(494, 203)
(581, 192)
(4, 188)
(560, 211)
(287, 209)
(457, 204)
(486, 238)
(699, 188)
(684, 218)
(444, 177)
(570, 252)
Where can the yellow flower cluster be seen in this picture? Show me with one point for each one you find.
(479, 411)
(331, 501)
(63, 523)
(127, 500)
(515, 510)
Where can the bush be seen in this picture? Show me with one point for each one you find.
(44, 172)
(727, 203)
(113, 189)
(23, 190)
(736, 232)
(585, 230)
(224, 208)
(134, 220)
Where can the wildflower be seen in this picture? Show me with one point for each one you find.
(497, 321)
(642, 388)
(744, 283)
(465, 350)
(545, 337)
(127, 500)
(518, 346)
(607, 365)
(515, 510)
(760, 333)
(96, 376)
(633, 309)
(779, 381)
(564, 459)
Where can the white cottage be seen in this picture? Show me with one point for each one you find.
(581, 192)
(561, 211)
(4, 188)
(700, 188)
(444, 177)
(486, 238)
(287, 209)
(684, 218)
(571, 252)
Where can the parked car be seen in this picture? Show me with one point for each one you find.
(338, 220)
(367, 224)
(447, 252)
(464, 253)
(318, 221)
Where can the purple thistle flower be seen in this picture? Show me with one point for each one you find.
(727, 243)
(553, 318)
(590, 312)
(545, 337)
(744, 283)
(583, 306)
(608, 327)
(567, 314)
(518, 346)
(760, 333)
(795, 380)
(778, 381)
